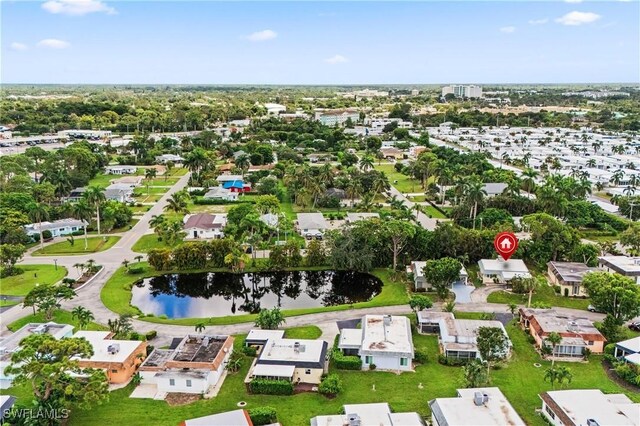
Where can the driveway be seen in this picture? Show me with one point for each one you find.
(462, 292)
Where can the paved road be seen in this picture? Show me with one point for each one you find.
(425, 221)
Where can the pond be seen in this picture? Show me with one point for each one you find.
(217, 294)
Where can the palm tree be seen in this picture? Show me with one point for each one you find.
(38, 212)
(560, 374)
(149, 174)
(353, 189)
(95, 197)
(178, 202)
(554, 339)
(82, 211)
(200, 327)
(474, 193)
(236, 259)
(79, 267)
(125, 263)
(83, 315)
(366, 163)
(243, 162)
(380, 183)
(138, 258)
(617, 177)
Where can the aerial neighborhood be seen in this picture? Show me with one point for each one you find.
(450, 254)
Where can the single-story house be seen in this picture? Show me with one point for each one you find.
(258, 337)
(392, 153)
(118, 358)
(355, 217)
(474, 407)
(577, 333)
(419, 281)
(589, 407)
(119, 192)
(368, 414)
(295, 360)
(338, 193)
(11, 343)
(311, 224)
(502, 271)
(165, 158)
(228, 178)
(195, 365)
(429, 321)
(384, 341)
(623, 265)
(568, 275)
(120, 170)
(220, 193)
(228, 418)
(628, 350)
(76, 194)
(494, 188)
(205, 226)
(237, 186)
(57, 227)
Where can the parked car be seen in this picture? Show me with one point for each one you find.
(635, 326)
(592, 308)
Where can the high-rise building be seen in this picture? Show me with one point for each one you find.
(462, 91)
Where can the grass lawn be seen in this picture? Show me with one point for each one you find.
(144, 198)
(160, 181)
(95, 244)
(418, 198)
(116, 295)
(6, 303)
(142, 189)
(518, 379)
(545, 294)
(595, 235)
(103, 180)
(20, 285)
(433, 212)
(179, 171)
(140, 209)
(209, 208)
(404, 183)
(303, 332)
(149, 242)
(60, 316)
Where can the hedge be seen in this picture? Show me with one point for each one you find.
(345, 362)
(453, 362)
(151, 334)
(271, 387)
(208, 202)
(263, 415)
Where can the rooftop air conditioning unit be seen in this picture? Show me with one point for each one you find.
(113, 349)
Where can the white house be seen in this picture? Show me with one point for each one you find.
(120, 170)
(165, 158)
(228, 418)
(502, 271)
(420, 282)
(368, 414)
(205, 226)
(220, 193)
(589, 407)
(384, 341)
(57, 227)
(11, 343)
(458, 337)
(474, 407)
(355, 217)
(311, 224)
(628, 350)
(274, 109)
(194, 366)
(119, 192)
(623, 265)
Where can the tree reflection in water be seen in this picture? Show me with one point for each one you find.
(222, 293)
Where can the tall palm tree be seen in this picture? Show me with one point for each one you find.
(554, 340)
(38, 212)
(353, 189)
(474, 193)
(82, 211)
(177, 202)
(83, 315)
(243, 163)
(95, 197)
(366, 162)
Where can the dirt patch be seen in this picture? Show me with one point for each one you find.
(175, 398)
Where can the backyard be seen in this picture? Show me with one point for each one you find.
(149, 242)
(544, 294)
(403, 183)
(95, 244)
(21, 284)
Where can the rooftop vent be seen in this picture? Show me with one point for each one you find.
(113, 349)
(480, 398)
(205, 341)
(353, 420)
(386, 319)
(592, 422)
(41, 329)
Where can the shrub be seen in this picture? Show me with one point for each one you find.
(150, 349)
(134, 270)
(134, 335)
(331, 385)
(566, 292)
(151, 335)
(421, 356)
(372, 367)
(452, 362)
(249, 351)
(345, 362)
(46, 234)
(557, 289)
(163, 316)
(263, 415)
(610, 349)
(271, 387)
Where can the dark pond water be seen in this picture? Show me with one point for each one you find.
(217, 294)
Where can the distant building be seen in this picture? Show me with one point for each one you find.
(368, 415)
(336, 116)
(220, 193)
(462, 91)
(356, 217)
(568, 275)
(120, 170)
(589, 407)
(132, 181)
(85, 134)
(383, 340)
(392, 153)
(494, 188)
(57, 227)
(473, 407)
(76, 194)
(311, 224)
(623, 265)
(165, 158)
(205, 226)
(274, 109)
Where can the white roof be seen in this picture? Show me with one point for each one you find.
(354, 217)
(12, 342)
(462, 410)
(583, 404)
(269, 370)
(226, 178)
(506, 269)
(350, 337)
(393, 337)
(624, 263)
(265, 334)
(285, 350)
(235, 417)
(630, 344)
(633, 358)
(377, 414)
(100, 343)
(312, 221)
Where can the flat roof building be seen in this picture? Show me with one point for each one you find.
(229, 418)
(378, 414)
(589, 407)
(474, 407)
(502, 271)
(568, 275)
(623, 265)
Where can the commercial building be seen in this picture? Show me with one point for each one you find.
(589, 407)
(57, 227)
(378, 414)
(578, 334)
(568, 275)
(474, 407)
(205, 226)
(11, 343)
(196, 364)
(623, 265)
(118, 358)
(499, 271)
(462, 91)
(383, 340)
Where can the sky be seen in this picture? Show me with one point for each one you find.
(210, 42)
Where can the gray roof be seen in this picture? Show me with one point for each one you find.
(312, 221)
(570, 271)
(495, 188)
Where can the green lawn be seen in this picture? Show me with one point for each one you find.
(303, 332)
(519, 380)
(149, 242)
(140, 210)
(116, 295)
(405, 184)
(60, 316)
(144, 198)
(160, 181)
(5, 303)
(95, 245)
(102, 180)
(153, 190)
(20, 285)
(545, 294)
(433, 212)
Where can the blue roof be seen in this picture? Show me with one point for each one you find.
(233, 184)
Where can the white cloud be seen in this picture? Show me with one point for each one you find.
(336, 59)
(573, 1)
(53, 43)
(263, 35)
(538, 21)
(578, 18)
(507, 30)
(18, 46)
(77, 7)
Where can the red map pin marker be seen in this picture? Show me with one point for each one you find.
(506, 244)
